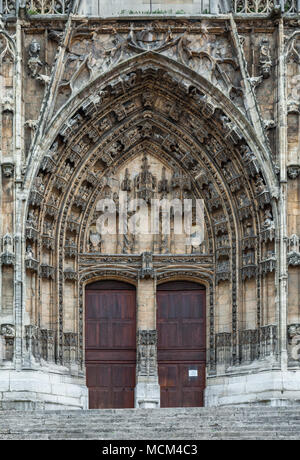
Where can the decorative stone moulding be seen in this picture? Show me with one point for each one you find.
(74, 155)
(223, 271)
(31, 233)
(70, 274)
(70, 248)
(268, 265)
(249, 242)
(51, 210)
(48, 242)
(92, 179)
(249, 272)
(80, 202)
(32, 264)
(35, 198)
(7, 258)
(60, 183)
(223, 252)
(215, 203)
(263, 199)
(220, 225)
(48, 164)
(267, 235)
(235, 184)
(249, 269)
(293, 106)
(293, 171)
(37, 193)
(250, 160)
(73, 226)
(245, 212)
(47, 271)
(8, 169)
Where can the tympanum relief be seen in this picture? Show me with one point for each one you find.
(141, 187)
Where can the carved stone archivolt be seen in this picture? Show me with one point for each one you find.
(148, 134)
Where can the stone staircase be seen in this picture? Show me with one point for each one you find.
(253, 423)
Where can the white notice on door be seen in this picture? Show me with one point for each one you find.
(193, 373)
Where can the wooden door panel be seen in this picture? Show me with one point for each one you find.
(110, 345)
(191, 335)
(167, 334)
(123, 375)
(123, 398)
(99, 398)
(181, 344)
(124, 335)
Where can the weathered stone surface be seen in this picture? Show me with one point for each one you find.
(159, 108)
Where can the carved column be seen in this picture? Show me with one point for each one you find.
(147, 390)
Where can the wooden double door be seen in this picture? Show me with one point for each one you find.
(110, 336)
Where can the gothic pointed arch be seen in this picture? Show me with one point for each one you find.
(156, 118)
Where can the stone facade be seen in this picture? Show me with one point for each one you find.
(194, 104)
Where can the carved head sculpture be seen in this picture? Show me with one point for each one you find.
(34, 49)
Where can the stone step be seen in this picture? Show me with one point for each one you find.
(161, 424)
